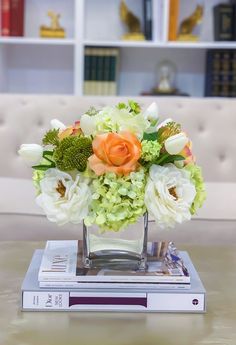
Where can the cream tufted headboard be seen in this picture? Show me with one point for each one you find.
(211, 123)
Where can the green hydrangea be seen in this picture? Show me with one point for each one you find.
(197, 179)
(117, 201)
(37, 176)
(150, 150)
(73, 153)
(113, 119)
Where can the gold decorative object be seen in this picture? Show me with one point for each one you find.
(54, 30)
(132, 22)
(187, 26)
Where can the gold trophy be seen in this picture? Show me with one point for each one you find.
(187, 26)
(132, 23)
(54, 30)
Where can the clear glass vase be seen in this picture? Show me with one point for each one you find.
(125, 249)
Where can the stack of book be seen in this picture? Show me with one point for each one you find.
(57, 280)
(220, 73)
(100, 71)
(12, 17)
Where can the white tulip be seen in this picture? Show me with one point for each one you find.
(176, 143)
(87, 124)
(164, 123)
(56, 124)
(151, 114)
(32, 154)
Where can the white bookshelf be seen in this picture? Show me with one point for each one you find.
(35, 65)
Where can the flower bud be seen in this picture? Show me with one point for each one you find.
(56, 124)
(87, 124)
(32, 154)
(176, 143)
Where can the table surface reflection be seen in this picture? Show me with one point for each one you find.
(215, 264)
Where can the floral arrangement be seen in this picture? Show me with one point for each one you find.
(114, 165)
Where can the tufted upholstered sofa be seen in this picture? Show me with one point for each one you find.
(211, 123)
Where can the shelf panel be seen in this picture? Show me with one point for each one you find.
(37, 41)
(149, 44)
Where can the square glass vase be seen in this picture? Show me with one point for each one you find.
(122, 250)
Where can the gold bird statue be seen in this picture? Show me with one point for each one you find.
(132, 22)
(187, 26)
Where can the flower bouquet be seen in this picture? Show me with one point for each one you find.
(111, 168)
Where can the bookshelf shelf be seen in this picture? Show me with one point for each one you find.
(26, 59)
(168, 44)
(38, 41)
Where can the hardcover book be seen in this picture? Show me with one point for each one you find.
(62, 261)
(145, 300)
(220, 73)
(224, 22)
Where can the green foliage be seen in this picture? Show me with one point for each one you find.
(150, 136)
(134, 107)
(51, 137)
(73, 153)
(167, 158)
(92, 111)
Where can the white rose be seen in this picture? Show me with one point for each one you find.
(176, 143)
(87, 124)
(152, 115)
(32, 154)
(169, 195)
(62, 198)
(56, 124)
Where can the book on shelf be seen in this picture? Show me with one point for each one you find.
(35, 298)
(147, 18)
(220, 77)
(173, 19)
(100, 71)
(12, 17)
(62, 262)
(224, 22)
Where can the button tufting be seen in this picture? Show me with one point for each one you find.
(180, 105)
(23, 102)
(1, 121)
(62, 102)
(222, 157)
(218, 106)
(201, 128)
(40, 122)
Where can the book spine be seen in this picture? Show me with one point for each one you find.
(106, 71)
(86, 71)
(107, 301)
(147, 11)
(173, 19)
(5, 17)
(17, 18)
(224, 22)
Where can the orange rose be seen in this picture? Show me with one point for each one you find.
(118, 153)
(71, 130)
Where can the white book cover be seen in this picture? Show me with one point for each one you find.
(62, 261)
